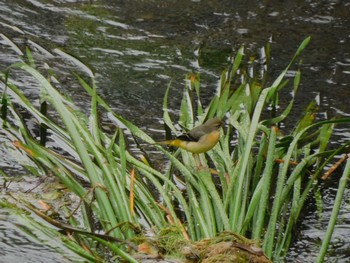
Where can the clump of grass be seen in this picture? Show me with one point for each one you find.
(116, 205)
(226, 247)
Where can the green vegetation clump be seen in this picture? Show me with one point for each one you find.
(255, 187)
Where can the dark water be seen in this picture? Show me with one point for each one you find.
(137, 47)
(19, 243)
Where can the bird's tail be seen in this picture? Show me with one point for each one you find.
(176, 142)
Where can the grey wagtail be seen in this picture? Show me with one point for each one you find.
(200, 139)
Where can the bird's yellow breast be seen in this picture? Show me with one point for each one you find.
(205, 143)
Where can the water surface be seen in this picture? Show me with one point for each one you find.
(137, 47)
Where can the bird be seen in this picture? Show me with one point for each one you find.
(200, 139)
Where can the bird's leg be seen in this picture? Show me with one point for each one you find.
(197, 158)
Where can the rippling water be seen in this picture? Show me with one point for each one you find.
(137, 47)
(20, 244)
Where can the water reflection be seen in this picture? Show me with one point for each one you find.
(137, 47)
(314, 225)
(20, 244)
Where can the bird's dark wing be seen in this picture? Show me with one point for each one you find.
(187, 138)
(196, 133)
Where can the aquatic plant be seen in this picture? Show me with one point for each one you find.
(259, 178)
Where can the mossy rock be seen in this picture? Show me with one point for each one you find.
(225, 248)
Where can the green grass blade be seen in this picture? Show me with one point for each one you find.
(334, 215)
(206, 207)
(265, 186)
(202, 230)
(75, 61)
(205, 176)
(94, 127)
(11, 44)
(166, 116)
(74, 131)
(186, 110)
(243, 164)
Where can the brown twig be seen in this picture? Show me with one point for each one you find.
(282, 161)
(67, 229)
(335, 166)
(132, 195)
